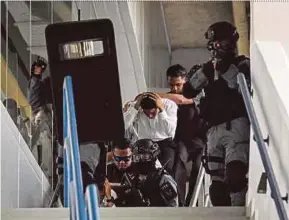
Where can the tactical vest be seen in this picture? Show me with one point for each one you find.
(221, 103)
(151, 189)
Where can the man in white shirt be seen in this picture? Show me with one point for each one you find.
(151, 117)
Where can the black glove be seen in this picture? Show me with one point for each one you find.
(223, 65)
(134, 197)
(188, 91)
(208, 69)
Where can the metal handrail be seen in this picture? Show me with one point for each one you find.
(72, 171)
(198, 185)
(73, 187)
(276, 195)
(92, 203)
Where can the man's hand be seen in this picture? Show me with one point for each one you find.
(138, 100)
(208, 69)
(107, 189)
(158, 100)
(126, 106)
(223, 65)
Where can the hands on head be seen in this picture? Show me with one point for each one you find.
(157, 100)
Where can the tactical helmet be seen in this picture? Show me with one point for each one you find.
(223, 38)
(145, 150)
(222, 31)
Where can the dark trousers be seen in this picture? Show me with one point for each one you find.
(168, 153)
(187, 151)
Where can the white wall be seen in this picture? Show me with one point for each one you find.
(136, 12)
(269, 20)
(132, 79)
(23, 184)
(149, 29)
(188, 57)
(270, 68)
(270, 76)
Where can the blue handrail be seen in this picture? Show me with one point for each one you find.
(92, 203)
(73, 187)
(276, 195)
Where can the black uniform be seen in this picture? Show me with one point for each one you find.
(40, 96)
(190, 145)
(145, 184)
(224, 111)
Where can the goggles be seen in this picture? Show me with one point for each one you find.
(220, 45)
(122, 158)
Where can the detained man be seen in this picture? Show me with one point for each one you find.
(155, 118)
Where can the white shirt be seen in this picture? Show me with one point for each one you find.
(163, 126)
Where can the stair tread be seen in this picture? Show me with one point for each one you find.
(166, 213)
(139, 218)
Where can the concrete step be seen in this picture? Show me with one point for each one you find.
(220, 213)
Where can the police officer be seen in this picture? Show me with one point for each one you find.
(121, 153)
(39, 92)
(155, 118)
(144, 181)
(224, 111)
(158, 186)
(40, 97)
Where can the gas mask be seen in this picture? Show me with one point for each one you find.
(222, 49)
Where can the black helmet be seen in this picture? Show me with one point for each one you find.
(145, 150)
(40, 62)
(222, 31)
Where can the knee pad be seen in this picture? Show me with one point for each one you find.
(236, 176)
(219, 194)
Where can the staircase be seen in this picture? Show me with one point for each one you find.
(32, 33)
(32, 18)
(220, 213)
